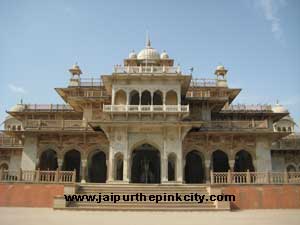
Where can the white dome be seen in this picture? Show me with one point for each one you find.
(279, 109)
(220, 67)
(164, 55)
(132, 55)
(17, 108)
(148, 53)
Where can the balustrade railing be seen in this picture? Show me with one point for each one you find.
(6, 141)
(55, 124)
(204, 82)
(146, 69)
(38, 176)
(86, 82)
(236, 124)
(254, 177)
(89, 94)
(146, 108)
(242, 107)
(47, 107)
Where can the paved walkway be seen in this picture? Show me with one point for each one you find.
(32, 216)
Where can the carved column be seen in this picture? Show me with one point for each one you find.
(207, 170)
(164, 169)
(60, 163)
(127, 97)
(110, 165)
(231, 164)
(83, 170)
(125, 169)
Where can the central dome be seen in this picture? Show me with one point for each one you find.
(148, 52)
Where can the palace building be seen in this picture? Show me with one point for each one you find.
(149, 123)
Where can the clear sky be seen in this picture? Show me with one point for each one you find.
(257, 40)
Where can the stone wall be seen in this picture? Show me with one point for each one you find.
(29, 195)
(264, 196)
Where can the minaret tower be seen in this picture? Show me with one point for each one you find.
(75, 72)
(221, 72)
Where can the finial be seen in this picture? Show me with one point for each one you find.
(192, 70)
(148, 42)
(21, 101)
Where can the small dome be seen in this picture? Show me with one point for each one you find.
(17, 108)
(220, 70)
(279, 109)
(164, 55)
(75, 67)
(148, 53)
(132, 55)
(220, 67)
(288, 118)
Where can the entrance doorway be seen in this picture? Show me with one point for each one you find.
(145, 165)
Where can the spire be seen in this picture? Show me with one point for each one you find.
(148, 42)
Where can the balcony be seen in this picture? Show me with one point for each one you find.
(47, 107)
(146, 69)
(10, 142)
(55, 125)
(85, 82)
(234, 125)
(89, 94)
(147, 108)
(204, 82)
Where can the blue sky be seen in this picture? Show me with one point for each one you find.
(257, 40)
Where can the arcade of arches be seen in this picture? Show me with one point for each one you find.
(145, 165)
(146, 98)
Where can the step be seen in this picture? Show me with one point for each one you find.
(146, 189)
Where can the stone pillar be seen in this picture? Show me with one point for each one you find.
(179, 169)
(207, 171)
(127, 97)
(231, 164)
(29, 153)
(110, 165)
(126, 169)
(113, 96)
(151, 98)
(83, 170)
(178, 98)
(263, 155)
(164, 98)
(60, 163)
(164, 169)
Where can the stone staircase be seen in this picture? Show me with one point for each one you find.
(145, 189)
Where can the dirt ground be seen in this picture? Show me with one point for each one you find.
(46, 216)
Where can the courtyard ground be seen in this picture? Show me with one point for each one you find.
(46, 216)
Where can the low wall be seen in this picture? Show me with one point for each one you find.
(285, 196)
(246, 196)
(29, 195)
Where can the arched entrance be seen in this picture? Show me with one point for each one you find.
(48, 160)
(120, 97)
(193, 170)
(4, 166)
(146, 98)
(97, 168)
(134, 98)
(243, 162)
(72, 160)
(220, 161)
(145, 165)
(157, 98)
